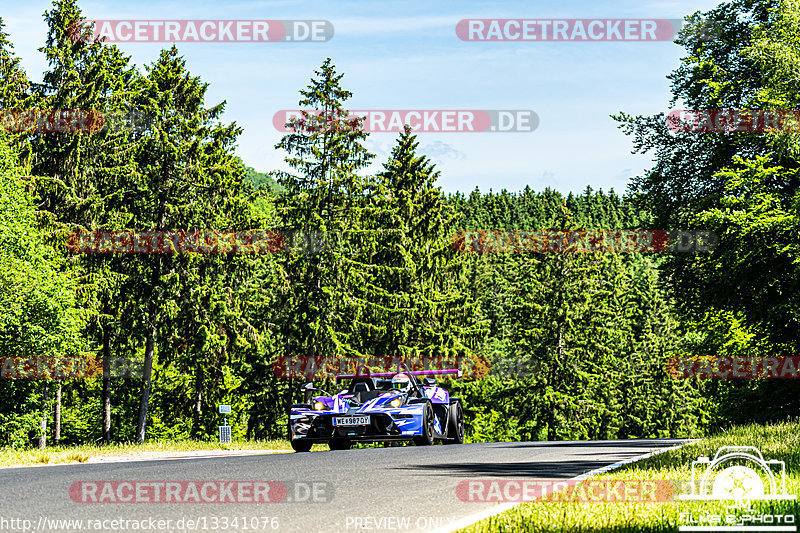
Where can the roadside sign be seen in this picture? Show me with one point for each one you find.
(224, 434)
(224, 409)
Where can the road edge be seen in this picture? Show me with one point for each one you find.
(154, 456)
(503, 507)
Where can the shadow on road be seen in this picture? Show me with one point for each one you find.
(569, 465)
(545, 470)
(644, 444)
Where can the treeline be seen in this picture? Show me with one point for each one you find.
(577, 343)
(744, 298)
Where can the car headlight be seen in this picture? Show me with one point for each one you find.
(319, 406)
(396, 402)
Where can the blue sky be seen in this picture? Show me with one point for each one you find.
(406, 55)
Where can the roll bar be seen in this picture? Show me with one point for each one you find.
(369, 374)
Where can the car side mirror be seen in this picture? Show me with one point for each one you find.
(430, 382)
(308, 389)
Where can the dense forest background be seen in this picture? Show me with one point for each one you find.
(577, 342)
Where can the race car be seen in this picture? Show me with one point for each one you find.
(379, 407)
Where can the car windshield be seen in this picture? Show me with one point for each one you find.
(384, 384)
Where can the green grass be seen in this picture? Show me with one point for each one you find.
(779, 441)
(82, 454)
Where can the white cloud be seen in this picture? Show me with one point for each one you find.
(438, 151)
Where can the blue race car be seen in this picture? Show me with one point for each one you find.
(382, 407)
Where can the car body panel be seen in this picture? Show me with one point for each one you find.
(437, 395)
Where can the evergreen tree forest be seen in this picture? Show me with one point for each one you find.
(571, 345)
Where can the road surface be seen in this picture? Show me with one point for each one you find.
(381, 489)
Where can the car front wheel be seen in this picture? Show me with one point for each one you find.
(301, 445)
(426, 439)
(455, 427)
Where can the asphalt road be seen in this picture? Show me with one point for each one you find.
(382, 489)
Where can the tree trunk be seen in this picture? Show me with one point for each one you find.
(147, 375)
(149, 348)
(57, 417)
(43, 424)
(555, 382)
(198, 397)
(106, 399)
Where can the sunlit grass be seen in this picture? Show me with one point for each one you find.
(83, 453)
(779, 441)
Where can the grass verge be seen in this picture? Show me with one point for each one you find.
(778, 441)
(83, 453)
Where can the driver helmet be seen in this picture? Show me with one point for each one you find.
(401, 382)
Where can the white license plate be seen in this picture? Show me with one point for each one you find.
(351, 421)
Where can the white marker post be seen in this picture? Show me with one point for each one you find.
(225, 429)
